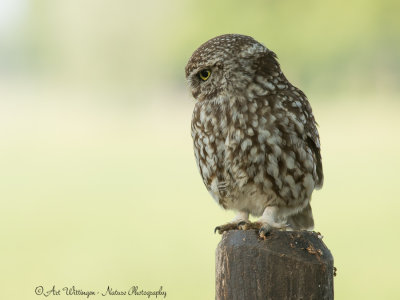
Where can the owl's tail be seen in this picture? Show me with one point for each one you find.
(303, 220)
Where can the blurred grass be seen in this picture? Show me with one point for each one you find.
(98, 182)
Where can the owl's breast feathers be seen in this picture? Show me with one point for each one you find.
(270, 142)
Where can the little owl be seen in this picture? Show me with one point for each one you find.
(255, 138)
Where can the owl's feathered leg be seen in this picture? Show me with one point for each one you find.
(238, 222)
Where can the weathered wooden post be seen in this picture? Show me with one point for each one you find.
(287, 265)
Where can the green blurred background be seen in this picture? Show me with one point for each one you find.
(98, 182)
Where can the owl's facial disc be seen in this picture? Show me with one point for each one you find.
(207, 81)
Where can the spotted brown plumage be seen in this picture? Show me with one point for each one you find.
(255, 137)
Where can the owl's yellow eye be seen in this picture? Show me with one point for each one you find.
(204, 74)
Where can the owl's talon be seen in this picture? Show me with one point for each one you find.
(231, 226)
(264, 231)
(242, 225)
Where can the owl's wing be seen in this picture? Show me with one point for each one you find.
(295, 101)
(209, 149)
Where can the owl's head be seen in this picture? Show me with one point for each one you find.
(226, 65)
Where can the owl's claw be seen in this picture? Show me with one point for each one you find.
(242, 225)
(265, 229)
(226, 227)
